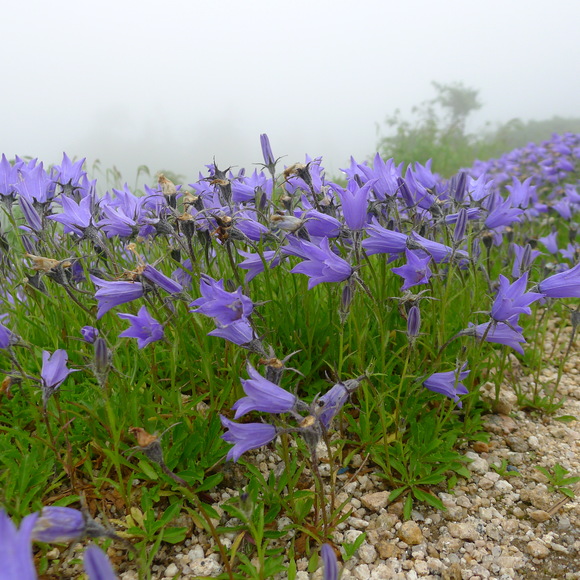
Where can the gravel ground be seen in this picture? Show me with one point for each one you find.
(496, 527)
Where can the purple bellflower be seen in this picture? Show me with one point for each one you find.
(262, 395)
(334, 400)
(246, 436)
(223, 306)
(254, 263)
(58, 524)
(269, 160)
(383, 241)
(508, 333)
(89, 333)
(439, 252)
(563, 285)
(159, 279)
(354, 200)
(111, 294)
(54, 372)
(76, 217)
(97, 565)
(415, 271)
(239, 332)
(16, 548)
(330, 563)
(512, 299)
(448, 384)
(7, 337)
(143, 327)
(320, 264)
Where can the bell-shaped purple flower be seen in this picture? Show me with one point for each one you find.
(330, 563)
(512, 299)
(563, 285)
(89, 333)
(97, 565)
(111, 294)
(239, 332)
(16, 559)
(59, 524)
(508, 333)
(354, 200)
(143, 327)
(383, 241)
(320, 264)
(224, 307)
(254, 263)
(415, 271)
(159, 279)
(246, 436)
(330, 404)
(54, 372)
(262, 395)
(448, 384)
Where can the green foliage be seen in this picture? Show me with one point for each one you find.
(559, 480)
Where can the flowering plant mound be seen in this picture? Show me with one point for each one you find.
(276, 308)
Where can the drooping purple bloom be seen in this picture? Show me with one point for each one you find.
(159, 279)
(503, 214)
(320, 264)
(7, 337)
(246, 436)
(550, 242)
(16, 559)
(97, 565)
(512, 299)
(439, 252)
(54, 372)
(262, 395)
(89, 333)
(524, 257)
(223, 306)
(383, 241)
(563, 285)
(59, 524)
(448, 384)
(30, 214)
(330, 404)
(330, 563)
(415, 271)
(143, 327)
(254, 263)
(239, 332)
(509, 333)
(111, 294)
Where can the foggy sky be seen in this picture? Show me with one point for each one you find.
(172, 84)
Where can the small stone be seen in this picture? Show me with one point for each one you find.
(485, 483)
(367, 553)
(375, 501)
(503, 486)
(387, 550)
(540, 515)
(534, 442)
(537, 549)
(205, 567)
(410, 533)
(478, 464)
(396, 508)
(171, 571)
(452, 573)
(463, 531)
(480, 447)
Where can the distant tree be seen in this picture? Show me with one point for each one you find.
(438, 131)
